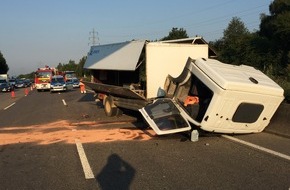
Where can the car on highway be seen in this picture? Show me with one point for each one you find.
(75, 82)
(27, 82)
(5, 86)
(22, 83)
(57, 84)
(12, 82)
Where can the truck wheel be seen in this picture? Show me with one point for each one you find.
(110, 109)
(119, 112)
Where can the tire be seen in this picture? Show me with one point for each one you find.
(119, 112)
(110, 109)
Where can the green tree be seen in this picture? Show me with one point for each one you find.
(27, 76)
(267, 49)
(3, 66)
(80, 71)
(175, 33)
(59, 67)
(231, 48)
(71, 66)
(276, 28)
(277, 25)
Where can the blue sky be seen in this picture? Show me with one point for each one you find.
(35, 33)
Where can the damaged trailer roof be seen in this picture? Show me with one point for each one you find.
(193, 40)
(124, 55)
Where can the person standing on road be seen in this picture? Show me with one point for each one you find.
(82, 87)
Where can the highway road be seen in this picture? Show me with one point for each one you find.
(65, 141)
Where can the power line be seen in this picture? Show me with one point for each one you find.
(210, 21)
(94, 39)
(224, 17)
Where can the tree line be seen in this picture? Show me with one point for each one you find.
(77, 67)
(70, 66)
(267, 49)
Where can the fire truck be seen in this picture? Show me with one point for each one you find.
(43, 77)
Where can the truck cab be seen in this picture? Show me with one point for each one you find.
(218, 97)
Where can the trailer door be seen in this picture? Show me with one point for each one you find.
(164, 117)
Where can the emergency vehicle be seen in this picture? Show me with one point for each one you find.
(43, 78)
(69, 75)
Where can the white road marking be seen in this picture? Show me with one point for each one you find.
(64, 103)
(85, 163)
(258, 147)
(9, 106)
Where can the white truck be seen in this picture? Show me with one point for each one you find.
(182, 87)
(4, 77)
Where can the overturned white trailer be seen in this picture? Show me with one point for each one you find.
(175, 89)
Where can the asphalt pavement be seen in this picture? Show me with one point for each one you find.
(38, 150)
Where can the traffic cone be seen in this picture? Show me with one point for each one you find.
(26, 91)
(12, 94)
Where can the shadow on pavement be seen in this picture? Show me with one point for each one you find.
(116, 174)
(87, 97)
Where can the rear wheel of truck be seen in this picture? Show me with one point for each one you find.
(109, 107)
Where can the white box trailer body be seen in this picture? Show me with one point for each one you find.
(161, 59)
(164, 59)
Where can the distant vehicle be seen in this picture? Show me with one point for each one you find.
(69, 75)
(12, 82)
(21, 83)
(76, 83)
(43, 77)
(58, 84)
(4, 77)
(27, 82)
(69, 84)
(5, 87)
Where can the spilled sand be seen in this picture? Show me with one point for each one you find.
(66, 132)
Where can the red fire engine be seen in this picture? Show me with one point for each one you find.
(43, 78)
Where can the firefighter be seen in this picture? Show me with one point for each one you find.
(82, 87)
